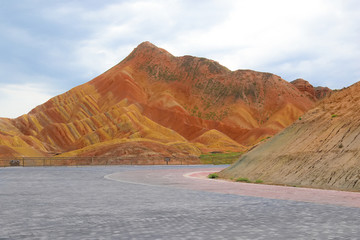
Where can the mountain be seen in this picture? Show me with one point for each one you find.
(176, 105)
(319, 150)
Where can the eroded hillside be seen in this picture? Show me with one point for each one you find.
(321, 149)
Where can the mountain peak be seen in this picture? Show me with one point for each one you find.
(146, 44)
(148, 50)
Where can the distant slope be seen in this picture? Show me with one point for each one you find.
(321, 150)
(154, 96)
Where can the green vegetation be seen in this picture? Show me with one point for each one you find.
(162, 73)
(215, 116)
(265, 138)
(299, 118)
(220, 158)
(210, 116)
(334, 115)
(193, 111)
(213, 175)
(216, 91)
(212, 91)
(243, 180)
(251, 91)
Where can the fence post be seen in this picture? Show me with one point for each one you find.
(23, 162)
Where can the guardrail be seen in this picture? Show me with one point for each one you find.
(89, 161)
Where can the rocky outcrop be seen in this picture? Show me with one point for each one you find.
(305, 87)
(314, 93)
(322, 92)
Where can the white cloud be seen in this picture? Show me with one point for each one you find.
(309, 39)
(118, 28)
(313, 39)
(17, 100)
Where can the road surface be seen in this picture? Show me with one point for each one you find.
(159, 202)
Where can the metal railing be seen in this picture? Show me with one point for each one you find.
(89, 161)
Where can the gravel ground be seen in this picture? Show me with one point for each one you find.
(79, 203)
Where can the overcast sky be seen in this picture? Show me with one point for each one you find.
(48, 46)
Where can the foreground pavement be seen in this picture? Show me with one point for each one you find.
(158, 202)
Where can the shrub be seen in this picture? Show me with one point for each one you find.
(213, 175)
(334, 115)
(243, 180)
(220, 158)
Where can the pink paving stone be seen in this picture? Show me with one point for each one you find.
(348, 199)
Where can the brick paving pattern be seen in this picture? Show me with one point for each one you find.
(79, 203)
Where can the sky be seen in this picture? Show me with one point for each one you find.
(49, 46)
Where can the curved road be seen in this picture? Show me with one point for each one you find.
(159, 202)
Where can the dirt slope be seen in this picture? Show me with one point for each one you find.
(321, 150)
(154, 96)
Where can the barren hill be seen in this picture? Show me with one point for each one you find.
(320, 150)
(175, 104)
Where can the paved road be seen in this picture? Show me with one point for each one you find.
(79, 203)
(174, 178)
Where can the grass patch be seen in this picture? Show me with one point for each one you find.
(334, 115)
(213, 175)
(243, 180)
(259, 181)
(220, 158)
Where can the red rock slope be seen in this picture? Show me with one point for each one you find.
(321, 150)
(178, 103)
